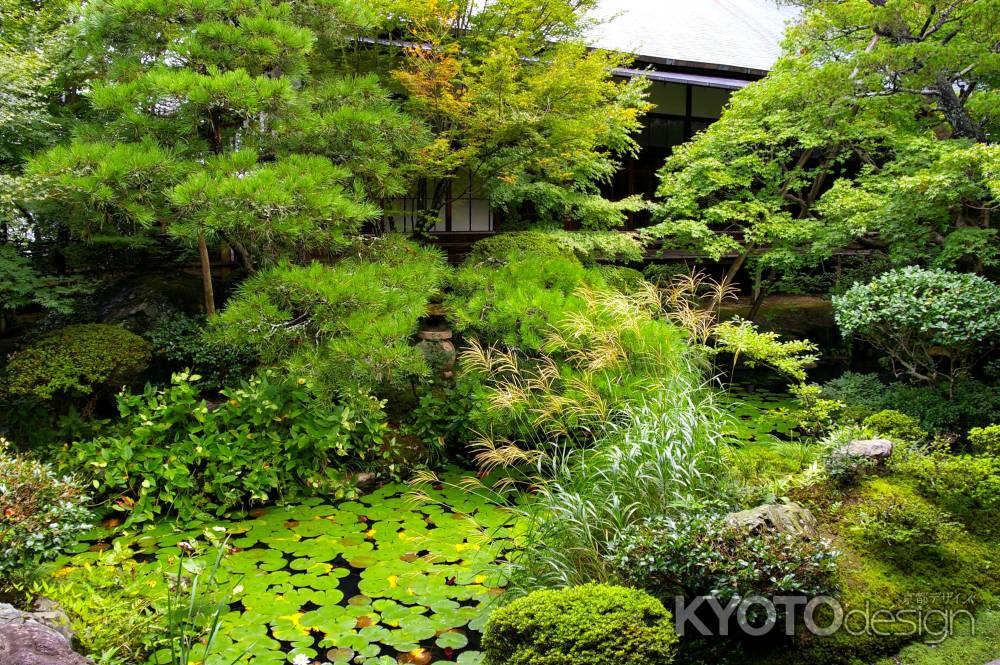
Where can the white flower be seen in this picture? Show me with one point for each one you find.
(300, 659)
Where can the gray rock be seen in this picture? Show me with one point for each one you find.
(878, 450)
(36, 638)
(364, 480)
(790, 518)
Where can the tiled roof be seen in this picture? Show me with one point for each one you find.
(729, 34)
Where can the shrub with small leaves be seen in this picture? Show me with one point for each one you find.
(986, 439)
(179, 343)
(41, 514)
(846, 470)
(895, 425)
(932, 324)
(583, 625)
(75, 360)
(698, 554)
(865, 390)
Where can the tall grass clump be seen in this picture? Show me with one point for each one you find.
(663, 458)
(607, 422)
(603, 356)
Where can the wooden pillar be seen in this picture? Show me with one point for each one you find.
(688, 111)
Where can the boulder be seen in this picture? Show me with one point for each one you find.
(41, 637)
(877, 450)
(790, 518)
(136, 307)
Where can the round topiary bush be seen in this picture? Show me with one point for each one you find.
(932, 324)
(74, 360)
(895, 425)
(583, 625)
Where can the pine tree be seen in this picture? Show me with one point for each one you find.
(197, 103)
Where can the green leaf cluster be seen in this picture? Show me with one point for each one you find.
(21, 285)
(272, 438)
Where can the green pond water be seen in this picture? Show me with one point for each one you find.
(384, 579)
(760, 413)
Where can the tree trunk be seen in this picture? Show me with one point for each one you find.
(759, 294)
(241, 252)
(206, 274)
(956, 113)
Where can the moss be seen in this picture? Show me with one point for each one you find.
(973, 642)
(958, 573)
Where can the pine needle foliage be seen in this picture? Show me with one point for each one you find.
(347, 325)
(209, 123)
(517, 302)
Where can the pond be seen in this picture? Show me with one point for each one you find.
(383, 579)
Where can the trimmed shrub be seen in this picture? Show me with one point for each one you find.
(75, 360)
(583, 625)
(895, 425)
(41, 514)
(932, 324)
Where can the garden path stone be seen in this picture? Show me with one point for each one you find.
(790, 518)
(36, 638)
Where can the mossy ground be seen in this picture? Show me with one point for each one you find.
(939, 585)
(973, 643)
